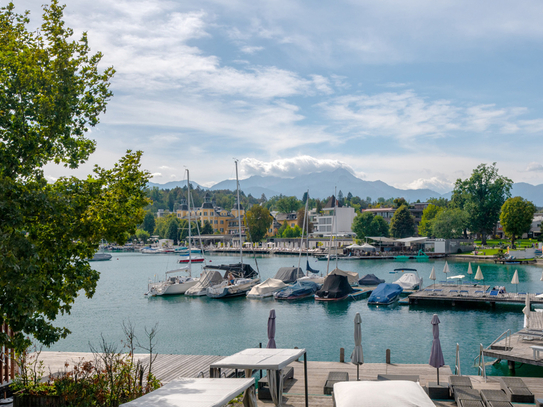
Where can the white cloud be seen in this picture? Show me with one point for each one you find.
(534, 167)
(251, 49)
(290, 167)
(437, 184)
(156, 175)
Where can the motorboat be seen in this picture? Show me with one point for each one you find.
(152, 250)
(303, 288)
(208, 278)
(191, 259)
(336, 287)
(238, 280)
(184, 251)
(289, 274)
(101, 257)
(370, 280)
(352, 276)
(266, 289)
(385, 294)
(410, 280)
(173, 284)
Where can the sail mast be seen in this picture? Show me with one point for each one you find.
(303, 229)
(190, 236)
(239, 216)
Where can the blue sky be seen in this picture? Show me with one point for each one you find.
(415, 94)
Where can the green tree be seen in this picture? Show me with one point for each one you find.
(449, 223)
(483, 195)
(399, 202)
(51, 93)
(428, 215)
(300, 216)
(207, 229)
(287, 204)
(380, 227)
(149, 223)
(516, 217)
(402, 223)
(362, 225)
(142, 235)
(173, 229)
(441, 202)
(257, 221)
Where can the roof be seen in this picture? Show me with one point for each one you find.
(412, 240)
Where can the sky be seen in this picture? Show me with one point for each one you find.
(413, 93)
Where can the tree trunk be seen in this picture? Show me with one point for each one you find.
(483, 237)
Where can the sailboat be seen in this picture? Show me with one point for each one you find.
(174, 283)
(238, 278)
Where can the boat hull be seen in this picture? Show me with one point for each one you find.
(191, 260)
(171, 289)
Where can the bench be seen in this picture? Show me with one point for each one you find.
(333, 378)
(264, 387)
(516, 390)
(536, 350)
(408, 377)
(495, 398)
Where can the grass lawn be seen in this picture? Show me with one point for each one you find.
(520, 243)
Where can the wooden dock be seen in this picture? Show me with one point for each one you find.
(517, 348)
(467, 293)
(169, 367)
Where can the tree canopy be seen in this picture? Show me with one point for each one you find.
(482, 196)
(428, 215)
(449, 223)
(402, 223)
(516, 217)
(51, 93)
(257, 220)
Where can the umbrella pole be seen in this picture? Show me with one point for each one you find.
(438, 376)
(357, 372)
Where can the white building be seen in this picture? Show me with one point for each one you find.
(335, 220)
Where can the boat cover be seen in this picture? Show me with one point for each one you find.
(351, 275)
(301, 288)
(208, 278)
(409, 281)
(308, 268)
(370, 279)
(384, 293)
(238, 270)
(289, 274)
(335, 286)
(267, 287)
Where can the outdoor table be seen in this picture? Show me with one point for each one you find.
(261, 359)
(189, 392)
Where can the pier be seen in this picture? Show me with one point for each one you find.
(170, 367)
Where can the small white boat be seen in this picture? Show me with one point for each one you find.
(410, 280)
(191, 259)
(208, 278)
(238, 280)
(266, 289)
(152, 250)
(173, 284)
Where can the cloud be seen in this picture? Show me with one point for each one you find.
(290, 167)
(251, 49)
(437, 184)
(156, 175)
(534, 167)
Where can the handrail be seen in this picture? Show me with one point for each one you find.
(507, 339)
(480, 362)
(457, 362)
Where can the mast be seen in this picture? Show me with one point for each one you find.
(335, 218)
(303, 229)
(190, 236)
(239, 217)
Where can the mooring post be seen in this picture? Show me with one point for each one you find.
(511, 364)
(342, 355)
(388, 357)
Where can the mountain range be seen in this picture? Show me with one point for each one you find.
(323, 184)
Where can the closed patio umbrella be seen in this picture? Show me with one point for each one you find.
(433, 276)
(515, 280)
(470, 271)
(357, 357)
(446, 268)
(526, 312)
(271, 330)
(436, 355)
(479, 274)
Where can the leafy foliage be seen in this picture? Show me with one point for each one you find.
(402, 223)
(257, 220)
(51, 93)
(482, 196)
(449, 223)
(428, 215)
(516, 217)
(367, 224)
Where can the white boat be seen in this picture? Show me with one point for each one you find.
(208, 278)
(173, 284)
(152, 250)
(266, 289)
(191, 259)
(410, 280)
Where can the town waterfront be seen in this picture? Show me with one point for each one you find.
(188, 325)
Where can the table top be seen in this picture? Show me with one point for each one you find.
(260, 358)
(189, 392)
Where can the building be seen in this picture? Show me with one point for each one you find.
(335, 219)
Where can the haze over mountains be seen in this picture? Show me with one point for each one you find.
(323, 184)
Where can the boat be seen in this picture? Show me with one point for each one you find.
(370, 279)
(173, 283)
(208, 278)
(301, 289)
(152, 250)
(352, 276)
(101, 257)
(419, 256)
(191, 259)
(289, 274)
(183, 251)
(385, 294)
(336, 287)
(410, 280)
(238, 280)
(266, 289)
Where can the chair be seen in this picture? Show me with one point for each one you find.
(516, 390)
(333, 378)
(464, 293)
(479, 293)
(264, 387)
(494, 293)
(495, 398)
(453, 292)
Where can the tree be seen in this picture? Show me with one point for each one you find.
(428, 215)
(380, 227)
(399, 202)
(482, 196)
(449, 223)
(300, 216)
(402, 223)
(362, 225)
(51, 93)
(149, 223)
(173, 229)
(207, 229)
(516, 217)
(441, 202)
(287, 204)
(257, 221)
(142, 235)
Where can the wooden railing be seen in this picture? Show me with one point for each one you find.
(8, 365)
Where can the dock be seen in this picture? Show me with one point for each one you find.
(170, 367)
(468, 293)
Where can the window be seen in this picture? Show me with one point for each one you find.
(222, 222)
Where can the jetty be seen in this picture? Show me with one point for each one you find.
(170, 367)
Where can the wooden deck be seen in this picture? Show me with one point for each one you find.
(169, 367)
(464, 293)
(517, 348)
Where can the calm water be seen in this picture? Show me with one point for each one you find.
(222, 327)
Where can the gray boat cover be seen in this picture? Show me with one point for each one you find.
(289, 274)
(351, 275)
(238, 270)
(208, 278)
(370, 279)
